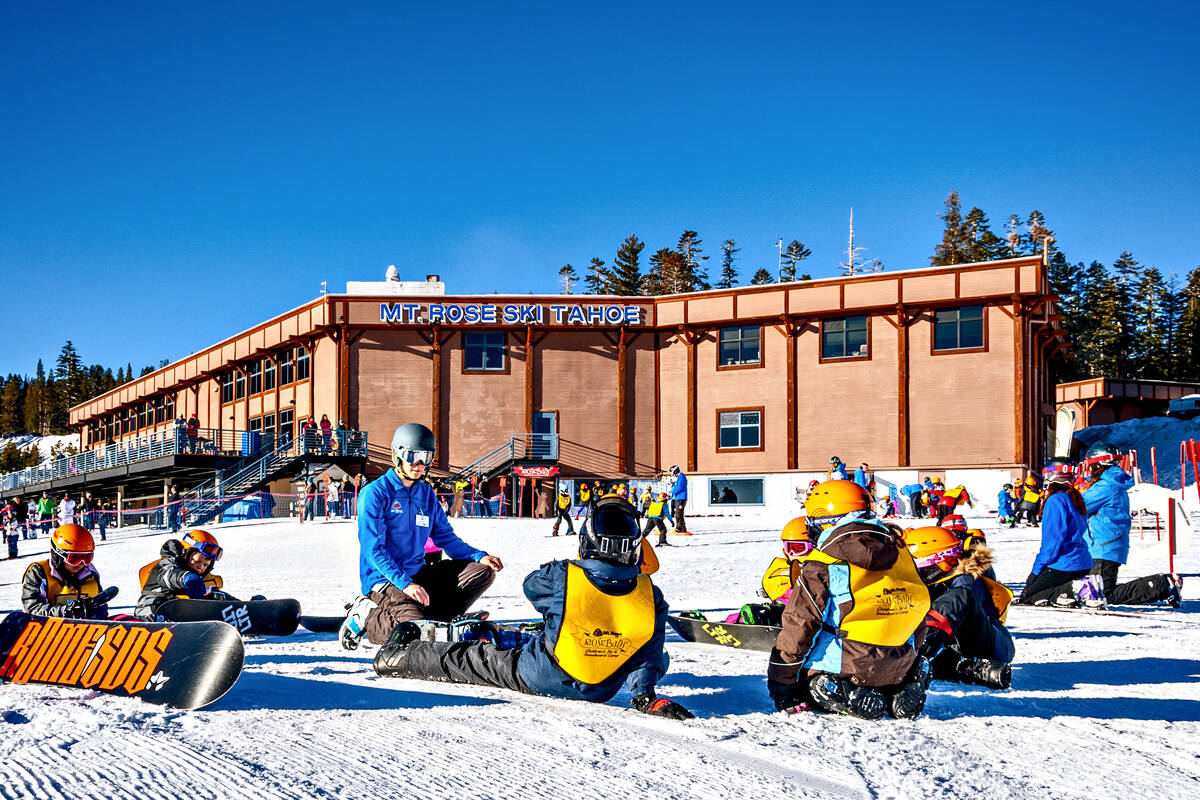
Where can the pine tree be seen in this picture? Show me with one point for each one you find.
(1127, 274)
(1151, 351)
(1036, 231)
(1171, 319)
(35, 409)
(665, 274)
(569, 277)
(761, 277)
(729, 273)
(11, 421)
(1188, 355)
(1013, 237)
(693, 277)
(599, 279)
(128, 372)
(953, 249)
(792, 255)
(981, 243)
(627, 271)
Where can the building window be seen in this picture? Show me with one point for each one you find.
(958, 328)
(239, 385)
(739, 430)
(286, 422)
(256, 424)
(255, 373)
(268, 423)
(160, 410)
(301, 363)
(169, 408)
(844, 338)
(483, 351)
(740, 346)
(739, 491)
(268, 375)
(143, 417)
(286, 370)
(227, 387)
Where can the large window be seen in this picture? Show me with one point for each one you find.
(739, 429)
(739, 347)
(740, 491)
(255, 373)
(844, 338)
(287, 372)
(483, 351)
(239, 385)
(227, 387)
(301, 363)
(958, 328)
(268, 376)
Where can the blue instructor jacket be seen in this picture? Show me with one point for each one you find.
(394, 521)
(1109, 520)
(679, 489)
(1063, 529)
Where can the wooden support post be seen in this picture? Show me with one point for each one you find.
(622, 440)
(902, 422)
(435, 349)
(343, 363)
(529, 366)
(690, 340)
(791, 330)
(1019, 411)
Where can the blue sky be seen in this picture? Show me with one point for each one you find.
(173, 173)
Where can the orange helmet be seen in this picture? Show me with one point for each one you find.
(1030, 481)
(795, 538)
(203, 541)
(832, 500)
(974, 538)
(72, 544)
(956, 523)
(936, 550)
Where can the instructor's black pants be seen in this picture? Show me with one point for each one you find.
(1150, 589)
(480, 663)
(1049, 584)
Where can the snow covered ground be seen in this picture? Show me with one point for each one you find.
(1101, 707)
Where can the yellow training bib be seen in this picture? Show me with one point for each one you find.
(888, 605)
(600, 632)
(778, 578)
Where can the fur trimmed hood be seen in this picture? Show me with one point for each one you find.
(975, 562)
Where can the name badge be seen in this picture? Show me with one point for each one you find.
(422, 521)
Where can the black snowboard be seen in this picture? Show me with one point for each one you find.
(178, 664)
(249, 617)
(322, 624)
(726, 634)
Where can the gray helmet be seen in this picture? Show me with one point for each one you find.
(412, 438)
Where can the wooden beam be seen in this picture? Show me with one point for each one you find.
(1018, 381)
(902, 425)
(622, 397)
(435, 348)
(529, 366)
(791, 332)
(689, 338)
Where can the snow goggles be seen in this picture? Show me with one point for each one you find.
(209, 549)
(416, 456)
(77, 558)
(945, 560)
(797, 549)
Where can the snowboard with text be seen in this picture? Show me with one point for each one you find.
(183, 665)
(726, 634)
(249, 617)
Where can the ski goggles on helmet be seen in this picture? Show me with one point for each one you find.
(210, 549)
(797, 549)
(944, 560)
(416, 456)
(76, 558)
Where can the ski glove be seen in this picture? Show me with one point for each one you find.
(193, 585)
(787, 697)
(660, 707)
(78, 609)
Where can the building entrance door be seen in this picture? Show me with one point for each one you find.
(545, 443)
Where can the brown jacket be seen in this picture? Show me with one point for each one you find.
(806, 647)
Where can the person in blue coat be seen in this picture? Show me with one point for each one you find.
(1004, 505)
(679, 496)
(1109, 524)
(397, 514)
(913, 492)
(1063, 557)
(604, 628)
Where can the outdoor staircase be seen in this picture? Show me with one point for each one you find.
(211, 498)
(520, 447)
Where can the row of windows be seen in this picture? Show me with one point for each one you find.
(259, 377)
(137, 417)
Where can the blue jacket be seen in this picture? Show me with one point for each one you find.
(679, 489)
(838, 473)
(546, 588)
(912, 488)
(1108, 515)
(1063, 529)
(1004, 503)
(860, 477)
(391, 538)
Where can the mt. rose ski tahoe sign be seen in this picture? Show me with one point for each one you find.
(510, 314)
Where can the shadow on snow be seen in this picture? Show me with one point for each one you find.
(263, 690)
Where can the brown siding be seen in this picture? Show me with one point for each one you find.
(931, 287)
(480, 410)
(390, 385)
(579, 380)
(672, 392)
(710, 309)
(760, 304)
(872, 293)
(814, 298)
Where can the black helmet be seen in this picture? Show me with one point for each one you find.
(1101, 456)
(612, 534)
(413, 439)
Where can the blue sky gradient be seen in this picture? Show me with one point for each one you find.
(174, 173)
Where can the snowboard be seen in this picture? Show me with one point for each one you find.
(1158, 613)
(322, 624)
(248, 617)
(179, 664)
(726, 634)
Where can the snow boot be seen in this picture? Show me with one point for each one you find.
(909, 701)
(390, 659)
(351, 630)
(1175, 598)
(662, 542)
(1090, 591)
(839, 696)
(984, 672)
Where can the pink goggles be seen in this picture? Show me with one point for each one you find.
(797, 549)
(951, 554)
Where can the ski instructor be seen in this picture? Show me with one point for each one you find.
(397, 514)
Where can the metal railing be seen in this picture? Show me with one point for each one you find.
(531, 446)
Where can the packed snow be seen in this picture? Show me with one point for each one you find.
(1101, 706)
(1162, 434)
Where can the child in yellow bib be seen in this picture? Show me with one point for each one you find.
(604, 628)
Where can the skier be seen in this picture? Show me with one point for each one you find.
(965, 637)
(397, 513)
(64, 584)
(601, 591)
(1004, 505)
(836, 471)
(184, 569)
(679, 498)
(851, 628)
(46, 511)
(564, 512)
(654, 519)
(951, 499)
(1107, 537)
(1063, 557)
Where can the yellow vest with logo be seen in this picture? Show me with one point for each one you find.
(888, 605)
(564, 501)
(584, 494)
(210, 580)
(778, 578)
(600, 632)
(59, 594)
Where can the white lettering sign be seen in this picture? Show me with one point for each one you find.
(509, 314)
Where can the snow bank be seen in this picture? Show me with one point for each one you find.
(1162, 433)
(44, 443)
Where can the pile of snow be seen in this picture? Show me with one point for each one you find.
(45, 444)
(1161, 433)
(1101, 706)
